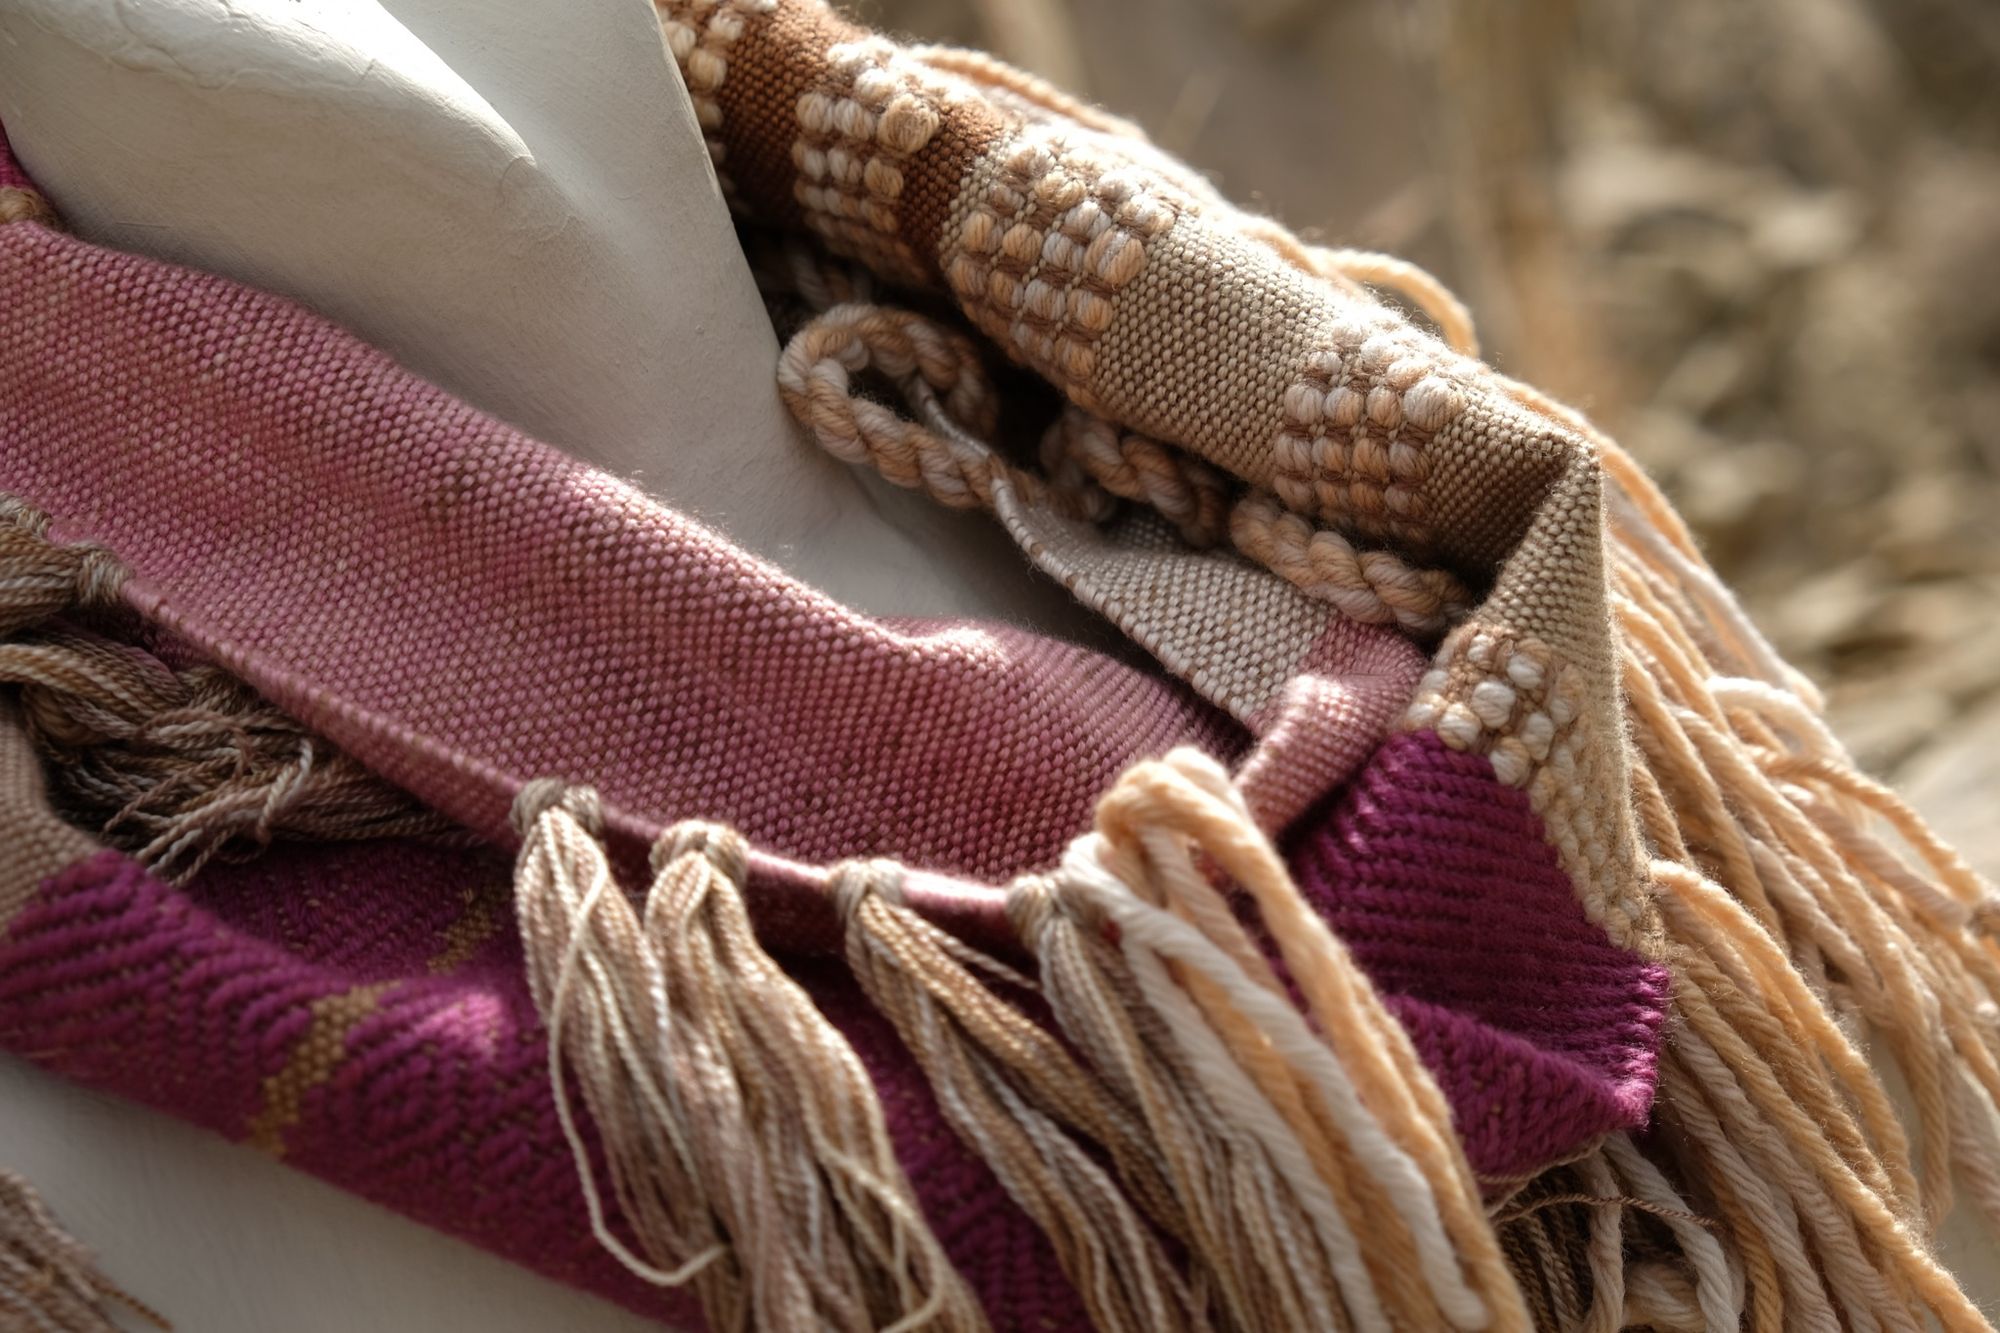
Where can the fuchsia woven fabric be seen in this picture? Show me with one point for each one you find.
(1541, 1032)
(196, 1002)
(463, 609)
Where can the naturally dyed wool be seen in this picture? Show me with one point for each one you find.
(1464, 930)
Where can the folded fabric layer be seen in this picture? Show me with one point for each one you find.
(462, 607)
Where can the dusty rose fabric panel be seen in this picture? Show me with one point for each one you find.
(1350, 691)
(464, 608)
(428, 1091)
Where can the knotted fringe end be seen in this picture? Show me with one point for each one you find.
(1021, 1101)
(1303, 1163)
(47, 1279)
(176, 767)
(742, 1137)
(1200, 1152)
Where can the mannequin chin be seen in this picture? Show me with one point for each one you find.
(511, 197)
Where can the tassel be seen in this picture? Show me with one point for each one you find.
(1021, 1101)
(743, 1139)
(1343, 1072)
(1789, 906)
(47, 1279)
(1307, 1160)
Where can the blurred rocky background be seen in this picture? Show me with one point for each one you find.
(1760, 243)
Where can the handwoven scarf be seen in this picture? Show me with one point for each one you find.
(1468, 924)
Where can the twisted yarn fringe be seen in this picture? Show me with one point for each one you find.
(1802, 901)
(1371, 586)
(47, 1279)
(1302, 1162)
(1342, 1075)
(175, 766)
(1302, 1166)
(1188, 493)
(1088, 462)
(742, 1136)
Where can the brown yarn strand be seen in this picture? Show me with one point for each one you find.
(48, 1280)
(1371, 586)
(1188, 493)
(19, 205)
(1088, 461)
(1023, 1103)
(175, 766)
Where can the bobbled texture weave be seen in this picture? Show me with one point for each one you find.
(1142, 297)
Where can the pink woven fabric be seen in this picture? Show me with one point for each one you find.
(463, 609)
(439, 1106)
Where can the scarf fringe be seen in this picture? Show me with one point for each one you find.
(1802, 902)
(1805, 905)
(1302, 1162)
(1805, 909)
(176, 767)
(744, 1141)
(47, 1279)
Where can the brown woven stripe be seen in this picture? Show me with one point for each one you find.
(783, 56)
(778, 59)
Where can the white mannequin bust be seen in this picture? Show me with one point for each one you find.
(511, 197)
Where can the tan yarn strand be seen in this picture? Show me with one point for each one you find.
(19, 205)
(1371, 586)
(47, 1279)
(1190, 494)
(746, 1144)
(1169, 810)
(175, 766)
(1207, 810)
(1017, 1097)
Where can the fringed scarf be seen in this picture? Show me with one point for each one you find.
(1471, 925)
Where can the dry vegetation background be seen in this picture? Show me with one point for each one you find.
(1759, 242)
